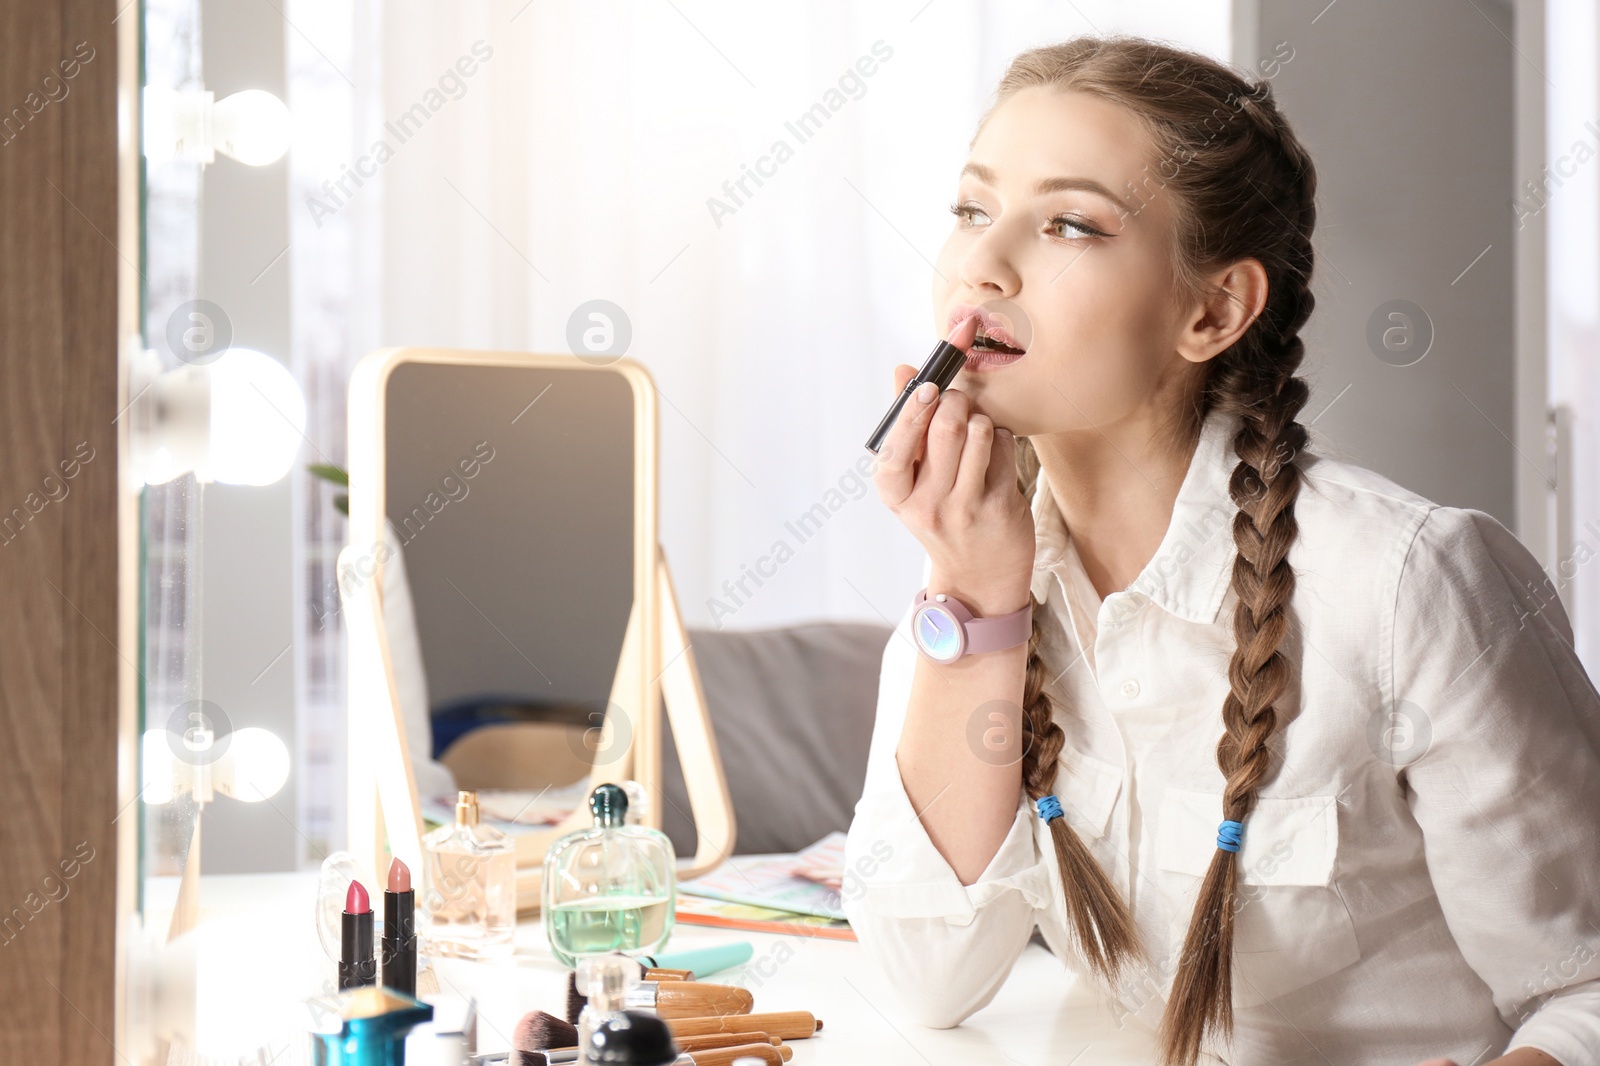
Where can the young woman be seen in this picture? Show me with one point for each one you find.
(1285, 757)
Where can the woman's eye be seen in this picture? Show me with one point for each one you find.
(966, 212)
(1081, 229)
(1062, 226)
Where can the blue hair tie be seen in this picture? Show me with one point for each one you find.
(1049, 807)
(1228, 834)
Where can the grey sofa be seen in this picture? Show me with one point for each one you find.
(792, 710)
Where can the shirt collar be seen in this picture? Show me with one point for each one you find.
(1189, 573)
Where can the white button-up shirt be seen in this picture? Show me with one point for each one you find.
(1420, 875)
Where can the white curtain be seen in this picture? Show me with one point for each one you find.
(578, 160)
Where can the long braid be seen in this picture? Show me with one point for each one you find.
(1264, 488)
(1241, 185)
(1101, 923)
(1266, 395)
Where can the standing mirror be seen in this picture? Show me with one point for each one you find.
(512, 624)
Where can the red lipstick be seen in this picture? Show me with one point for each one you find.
(941, 367)
(357, 966)
(400, 931)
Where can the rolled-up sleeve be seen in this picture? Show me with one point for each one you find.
(1506, 787)
(947, 946)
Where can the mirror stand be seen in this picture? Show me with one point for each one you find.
(388, 782)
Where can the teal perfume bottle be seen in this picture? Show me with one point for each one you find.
(612, 887)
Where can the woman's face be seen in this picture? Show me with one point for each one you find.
(1047, 220)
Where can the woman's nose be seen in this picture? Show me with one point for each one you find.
(989, 264)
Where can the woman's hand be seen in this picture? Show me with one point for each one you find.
(949, 474)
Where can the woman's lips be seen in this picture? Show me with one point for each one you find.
(998, 327)
(982, 359)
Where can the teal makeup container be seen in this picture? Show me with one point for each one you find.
(373, 1023)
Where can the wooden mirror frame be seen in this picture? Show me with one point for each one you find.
(656, 665)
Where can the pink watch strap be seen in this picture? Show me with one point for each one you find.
(987, 634)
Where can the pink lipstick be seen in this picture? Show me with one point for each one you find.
(941, 367)
(400, 931)
(357, 966)
(997, 343)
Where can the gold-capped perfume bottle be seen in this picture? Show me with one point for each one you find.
(612, 887)
(469, 895)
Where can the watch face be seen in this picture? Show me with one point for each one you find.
(938, 633)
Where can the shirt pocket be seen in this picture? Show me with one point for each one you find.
(1087, 788)
(1292, 926)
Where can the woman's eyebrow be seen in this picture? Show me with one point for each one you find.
(1048, 185)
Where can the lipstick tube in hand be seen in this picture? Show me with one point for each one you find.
(941, 367)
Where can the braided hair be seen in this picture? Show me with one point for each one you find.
(1241, 185)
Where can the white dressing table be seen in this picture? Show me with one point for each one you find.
(1041, 1016)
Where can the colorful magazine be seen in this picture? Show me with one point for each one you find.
(698, 910)
(802, 884)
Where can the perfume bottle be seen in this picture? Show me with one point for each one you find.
(609, 888)
(605, 981)
(469, 897)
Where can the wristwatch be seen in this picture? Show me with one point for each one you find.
(945, 630)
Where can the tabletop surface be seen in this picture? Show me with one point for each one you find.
(1041, 1015)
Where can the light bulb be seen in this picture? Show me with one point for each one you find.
(258, 419)
(254, 767)
(171, 418)
(251, 126)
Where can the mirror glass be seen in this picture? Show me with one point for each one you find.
(509, 493)
(170, 512)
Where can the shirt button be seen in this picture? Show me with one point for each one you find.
(1130, 688)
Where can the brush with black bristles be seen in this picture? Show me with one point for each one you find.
(671, 999)
(535, 1034)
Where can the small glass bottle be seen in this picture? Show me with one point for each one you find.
(469, 896)
(609, 888)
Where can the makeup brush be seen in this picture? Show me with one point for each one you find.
(710, 1041)
(536, 1032)
(789, 1024)
(724, 1056)
(671, 999)
(656, 974)
(727, 1056)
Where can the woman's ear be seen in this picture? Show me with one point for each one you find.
(1238, 293)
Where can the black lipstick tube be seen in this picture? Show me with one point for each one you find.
(400, 941)
(357, 966)
(940, 368)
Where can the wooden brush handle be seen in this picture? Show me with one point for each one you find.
(726, 1056)
(707, 1041)
(655, 974)
(698, 999)
(788, 1025)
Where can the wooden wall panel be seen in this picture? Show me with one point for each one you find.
(58, 554)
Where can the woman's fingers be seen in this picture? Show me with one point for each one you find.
(973, 471)
(897, 471)
(941, 453)
(1002, 473)
(903, 373)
